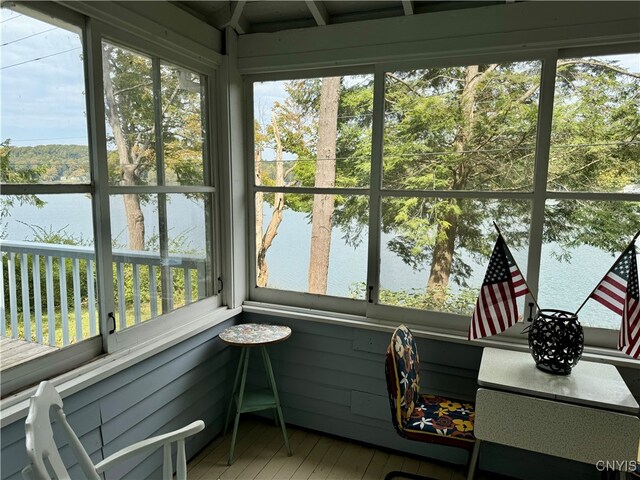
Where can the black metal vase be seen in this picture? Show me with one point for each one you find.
(556, 341)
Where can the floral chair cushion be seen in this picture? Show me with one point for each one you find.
(405, 377)
(423, 417)
(451, 421)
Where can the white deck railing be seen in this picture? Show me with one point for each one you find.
(30, 317)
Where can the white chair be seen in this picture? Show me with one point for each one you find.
(43, 452)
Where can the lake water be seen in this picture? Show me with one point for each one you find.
(562, 285)
(72, 214)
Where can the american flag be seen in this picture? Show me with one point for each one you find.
(496, 308)
(618, 291)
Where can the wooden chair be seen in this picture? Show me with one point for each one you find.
(45, 458)
(422, 416)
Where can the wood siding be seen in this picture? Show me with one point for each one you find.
(331, 379)
(187, 382)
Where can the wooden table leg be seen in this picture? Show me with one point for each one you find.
(233, 391)
(239, 404)
(272, 383)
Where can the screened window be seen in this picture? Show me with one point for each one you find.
(147, 180)
(593, 205)
(48, 294)
(314, 135)
(460, 130)
(161, 235)
(458, 148)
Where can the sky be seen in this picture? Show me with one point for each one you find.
(42, 83)
(42, 89)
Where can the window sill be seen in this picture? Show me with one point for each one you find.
(507, 342)
(15, 407)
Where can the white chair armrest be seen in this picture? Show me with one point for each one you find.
(149, 444)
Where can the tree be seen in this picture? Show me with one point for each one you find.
(320, 120)
(473, 128)
(323, 204)
(266, 240)
(131, 101)
(12, 173)
(128, 93)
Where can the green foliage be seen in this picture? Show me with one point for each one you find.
(472, 129)
(12, 172)
(595, 147)
(183, 120)
(462, 302)
(46, 164)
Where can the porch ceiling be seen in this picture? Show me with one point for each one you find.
(266, 16)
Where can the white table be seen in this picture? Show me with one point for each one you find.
(587, 416)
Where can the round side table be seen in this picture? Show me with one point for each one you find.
(248, 336)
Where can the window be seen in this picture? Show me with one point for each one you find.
(160, 194)
(459, 148)
(123, 228)
(470, 132)
(312, 164)
(593, 204)
(48, 248)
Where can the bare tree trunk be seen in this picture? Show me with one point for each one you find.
(443, 249)
(324, 204)
(129, 166)
(442, 257)
(259, 215)
(276, 217)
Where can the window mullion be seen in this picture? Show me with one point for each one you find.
(252, 189)
(100, 178)
(543, 142)
(212, 214)
(166, 283)
(377, 148)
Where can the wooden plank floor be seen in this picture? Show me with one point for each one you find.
(14, 351)
(260, 454)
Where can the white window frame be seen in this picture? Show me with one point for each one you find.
(176, 321)
(156, 326)
(373, 313)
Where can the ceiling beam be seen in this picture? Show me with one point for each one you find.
(237, 22)
(407, 5)
(319, 12)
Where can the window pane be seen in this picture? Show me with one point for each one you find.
(582, 240)
(161, 253)
(48, 271)
(44, 127)
(435, 251)
(312, 243)
(182, 125)
(313, 132)
(595, 144)
(130, 117)
(461, 128)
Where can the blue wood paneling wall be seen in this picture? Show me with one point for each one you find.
(186, 382)
(331, 379)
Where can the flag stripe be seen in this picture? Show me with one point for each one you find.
(614, 295)
(633, 315)
(483, 315)
(616, 282)
(492, 317)
(606, 301)
(496, 308)
(498, 296)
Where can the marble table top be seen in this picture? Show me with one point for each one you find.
(254, 334)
